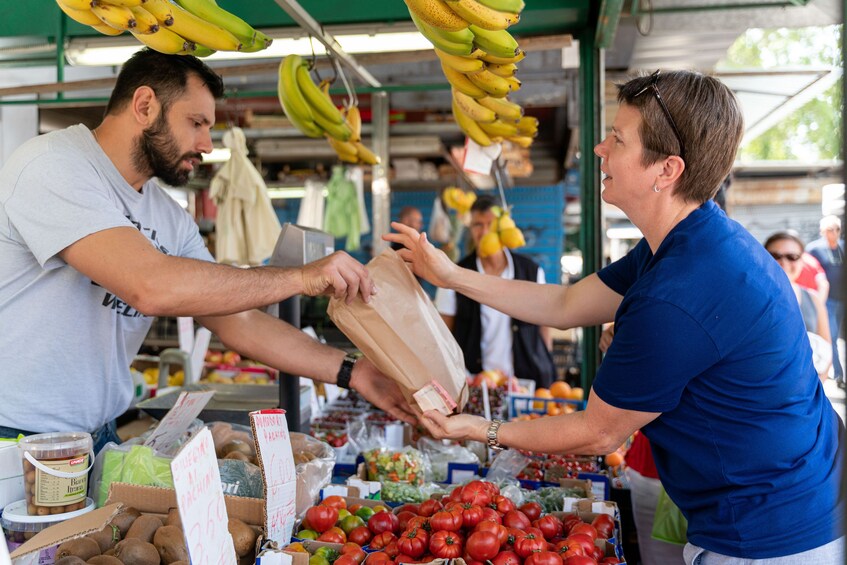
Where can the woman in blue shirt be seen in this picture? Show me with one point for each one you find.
(710, 357)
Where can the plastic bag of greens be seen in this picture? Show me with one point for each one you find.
(440, 455)
(386, 466)
(669, 525)
(133, 464)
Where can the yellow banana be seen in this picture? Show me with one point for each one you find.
(366, 156)
(345, 150)
(75, 4)
(437, 14)
(454, 42)
(473, 109)
(209, 11)
(498, 128)
(122, 3)
(505, 109)
(118, 17)
(528, 126)
(85, 17)
(462, 83)
(200, 31)
(514, 83)
(504, 5)
(494, 60)
(482, 16)
(106, 29)
(321, 105)
(145, 21)
(461, 64)
(162, 9)
(470, 127)
(495, 86)
(506, 70)
(295, 106)
(354, 120)
(165, 41)
(521, 140)
(499, 43)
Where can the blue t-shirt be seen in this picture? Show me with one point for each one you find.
(709, 333)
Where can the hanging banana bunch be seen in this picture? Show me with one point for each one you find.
(309, 107)
(478, 57)
(180, 27)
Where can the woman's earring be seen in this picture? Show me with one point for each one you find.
(656, 188)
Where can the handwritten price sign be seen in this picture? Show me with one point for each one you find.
(177, 420)
(273, 446)
(200, 498)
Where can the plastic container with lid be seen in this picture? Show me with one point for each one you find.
(19, 526)
(56, 469)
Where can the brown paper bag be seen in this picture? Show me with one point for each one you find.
(401, 332)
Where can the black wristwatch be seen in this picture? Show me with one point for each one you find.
(345, 371)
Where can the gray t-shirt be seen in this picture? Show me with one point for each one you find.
(66, 343)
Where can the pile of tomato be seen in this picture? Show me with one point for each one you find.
(475, 523)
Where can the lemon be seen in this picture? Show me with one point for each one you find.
(512, 238)
(489, 245)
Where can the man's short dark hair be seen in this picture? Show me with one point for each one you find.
(167, 75)
(484, 203)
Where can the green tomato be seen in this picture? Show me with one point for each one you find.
(318, 560)
(343, 513)
(351, 522)
(327, 553)
(307, 534)
(365, 513)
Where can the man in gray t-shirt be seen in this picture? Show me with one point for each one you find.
(91, 248)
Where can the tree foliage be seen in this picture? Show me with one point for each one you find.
(813, 132)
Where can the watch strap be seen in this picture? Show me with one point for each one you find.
(345, 371)
(491, 435)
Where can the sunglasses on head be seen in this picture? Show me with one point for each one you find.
(654, 81)
(790, 256)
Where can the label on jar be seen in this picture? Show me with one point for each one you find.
(51, 490)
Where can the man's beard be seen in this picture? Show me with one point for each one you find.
(156, 152)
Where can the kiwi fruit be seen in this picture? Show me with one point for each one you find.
(144, 528)
(170, 543)
(133, 551)
(243, 536)
(124, 519)
(106, 538)
(105, 560)
(174, 518)
(84, 548)
(70, 560)
(237, 445)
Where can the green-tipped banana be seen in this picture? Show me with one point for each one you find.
(461, 64)
(296, 108)
(505, 109)
(261, 41)
(515, 6)
(480, 15)
(470, 127)
(462, 83)
(499, 43)
(491, 59)
(208, 10)
(458, 43)
(200, 31)
(341, 132)
(437, 14)
(321, 106)
(203, 51)
(473, 109)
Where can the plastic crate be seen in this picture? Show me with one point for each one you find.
(522, 404)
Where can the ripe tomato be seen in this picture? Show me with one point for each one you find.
(543, 558)
(449, 520)
(482, 545)
(477, 493)
(529, 543)
(382, 540)
(605, 525)
(419, 522)
(585, 541)
(335, 501)
(333, 536)
(569, 521)
(408, 507)
(383, 522)
(346, 560)
(579, 560)
(532, 510)
(391, 549)
(360, 535)
(446, 545)
(489, 513)
(471, 515)
(429, 507)
(516, 519)
(586, 529)
(403, 518)
(354, 550)
(567, 548)
(353, 508)
(597, 553)
(609, 561)
(413, 543)
(321, 518)
(499, 531)
(507, 558)
(379, 558)
(549, 525)
(501, 504)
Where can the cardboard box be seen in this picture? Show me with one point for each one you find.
(155, 500)
(88, 523)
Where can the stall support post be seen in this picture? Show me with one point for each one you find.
(380, 189)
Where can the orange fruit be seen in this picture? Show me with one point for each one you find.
(560, 389)
(614, 459)
(541, 393)
(554, 409)
(577, 393)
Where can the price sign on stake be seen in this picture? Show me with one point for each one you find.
(273, 448)
(200, 497)
(188, 405)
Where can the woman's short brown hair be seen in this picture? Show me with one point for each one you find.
(709, 121)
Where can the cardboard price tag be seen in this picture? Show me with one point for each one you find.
(200, 499)
(276, 459)
(177, 420)
(478, 159)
